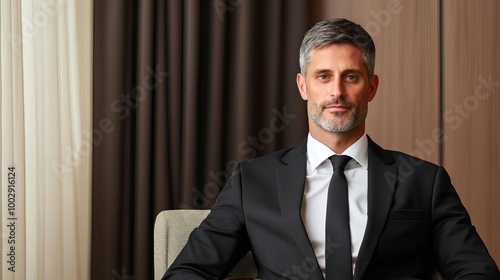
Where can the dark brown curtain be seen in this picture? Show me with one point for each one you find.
(182, 91)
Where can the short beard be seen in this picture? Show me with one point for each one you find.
(357, 115)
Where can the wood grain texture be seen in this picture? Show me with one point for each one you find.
(405, 113)
(471, 85)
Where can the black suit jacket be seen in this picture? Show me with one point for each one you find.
(415, 222)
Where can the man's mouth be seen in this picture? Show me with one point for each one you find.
(338, 106)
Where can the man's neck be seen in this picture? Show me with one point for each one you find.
(337, 141)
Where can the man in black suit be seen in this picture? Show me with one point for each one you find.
(403, 217)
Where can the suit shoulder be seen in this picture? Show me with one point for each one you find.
(279, 157)
(275, 156)
(397, 157)
(402, 158)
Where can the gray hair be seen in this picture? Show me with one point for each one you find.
(337, 31)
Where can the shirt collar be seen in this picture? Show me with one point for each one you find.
(318, 152)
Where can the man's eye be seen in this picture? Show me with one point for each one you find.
(351, 77)
(323, 77)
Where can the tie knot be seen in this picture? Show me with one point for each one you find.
(339, 161)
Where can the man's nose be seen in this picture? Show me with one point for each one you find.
(336, 89)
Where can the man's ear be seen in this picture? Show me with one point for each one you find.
(373, 87)
(301, 84)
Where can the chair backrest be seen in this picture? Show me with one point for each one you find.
(171, 232)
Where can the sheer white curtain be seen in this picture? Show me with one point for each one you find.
(46, 138)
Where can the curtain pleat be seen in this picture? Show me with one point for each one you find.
(111, 195)
(12, 147)
(174, 103)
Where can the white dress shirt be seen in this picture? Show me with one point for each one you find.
(318, 175)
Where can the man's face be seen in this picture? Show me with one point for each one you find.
(337, 88)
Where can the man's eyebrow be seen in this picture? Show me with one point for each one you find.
(318, 71)
(348, 70)
(352, 70)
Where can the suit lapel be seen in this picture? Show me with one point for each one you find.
(382, 177)
(291, 181)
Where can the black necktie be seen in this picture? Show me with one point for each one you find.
(338, 233)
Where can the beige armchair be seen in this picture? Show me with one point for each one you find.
(172, 229)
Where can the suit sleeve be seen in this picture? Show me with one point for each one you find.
(220, 241)
(461, 254)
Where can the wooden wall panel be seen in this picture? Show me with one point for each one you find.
(405, 113)
(471, 110)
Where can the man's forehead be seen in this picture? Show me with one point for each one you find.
(335, 54)
(342, 48)
(337, 57)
